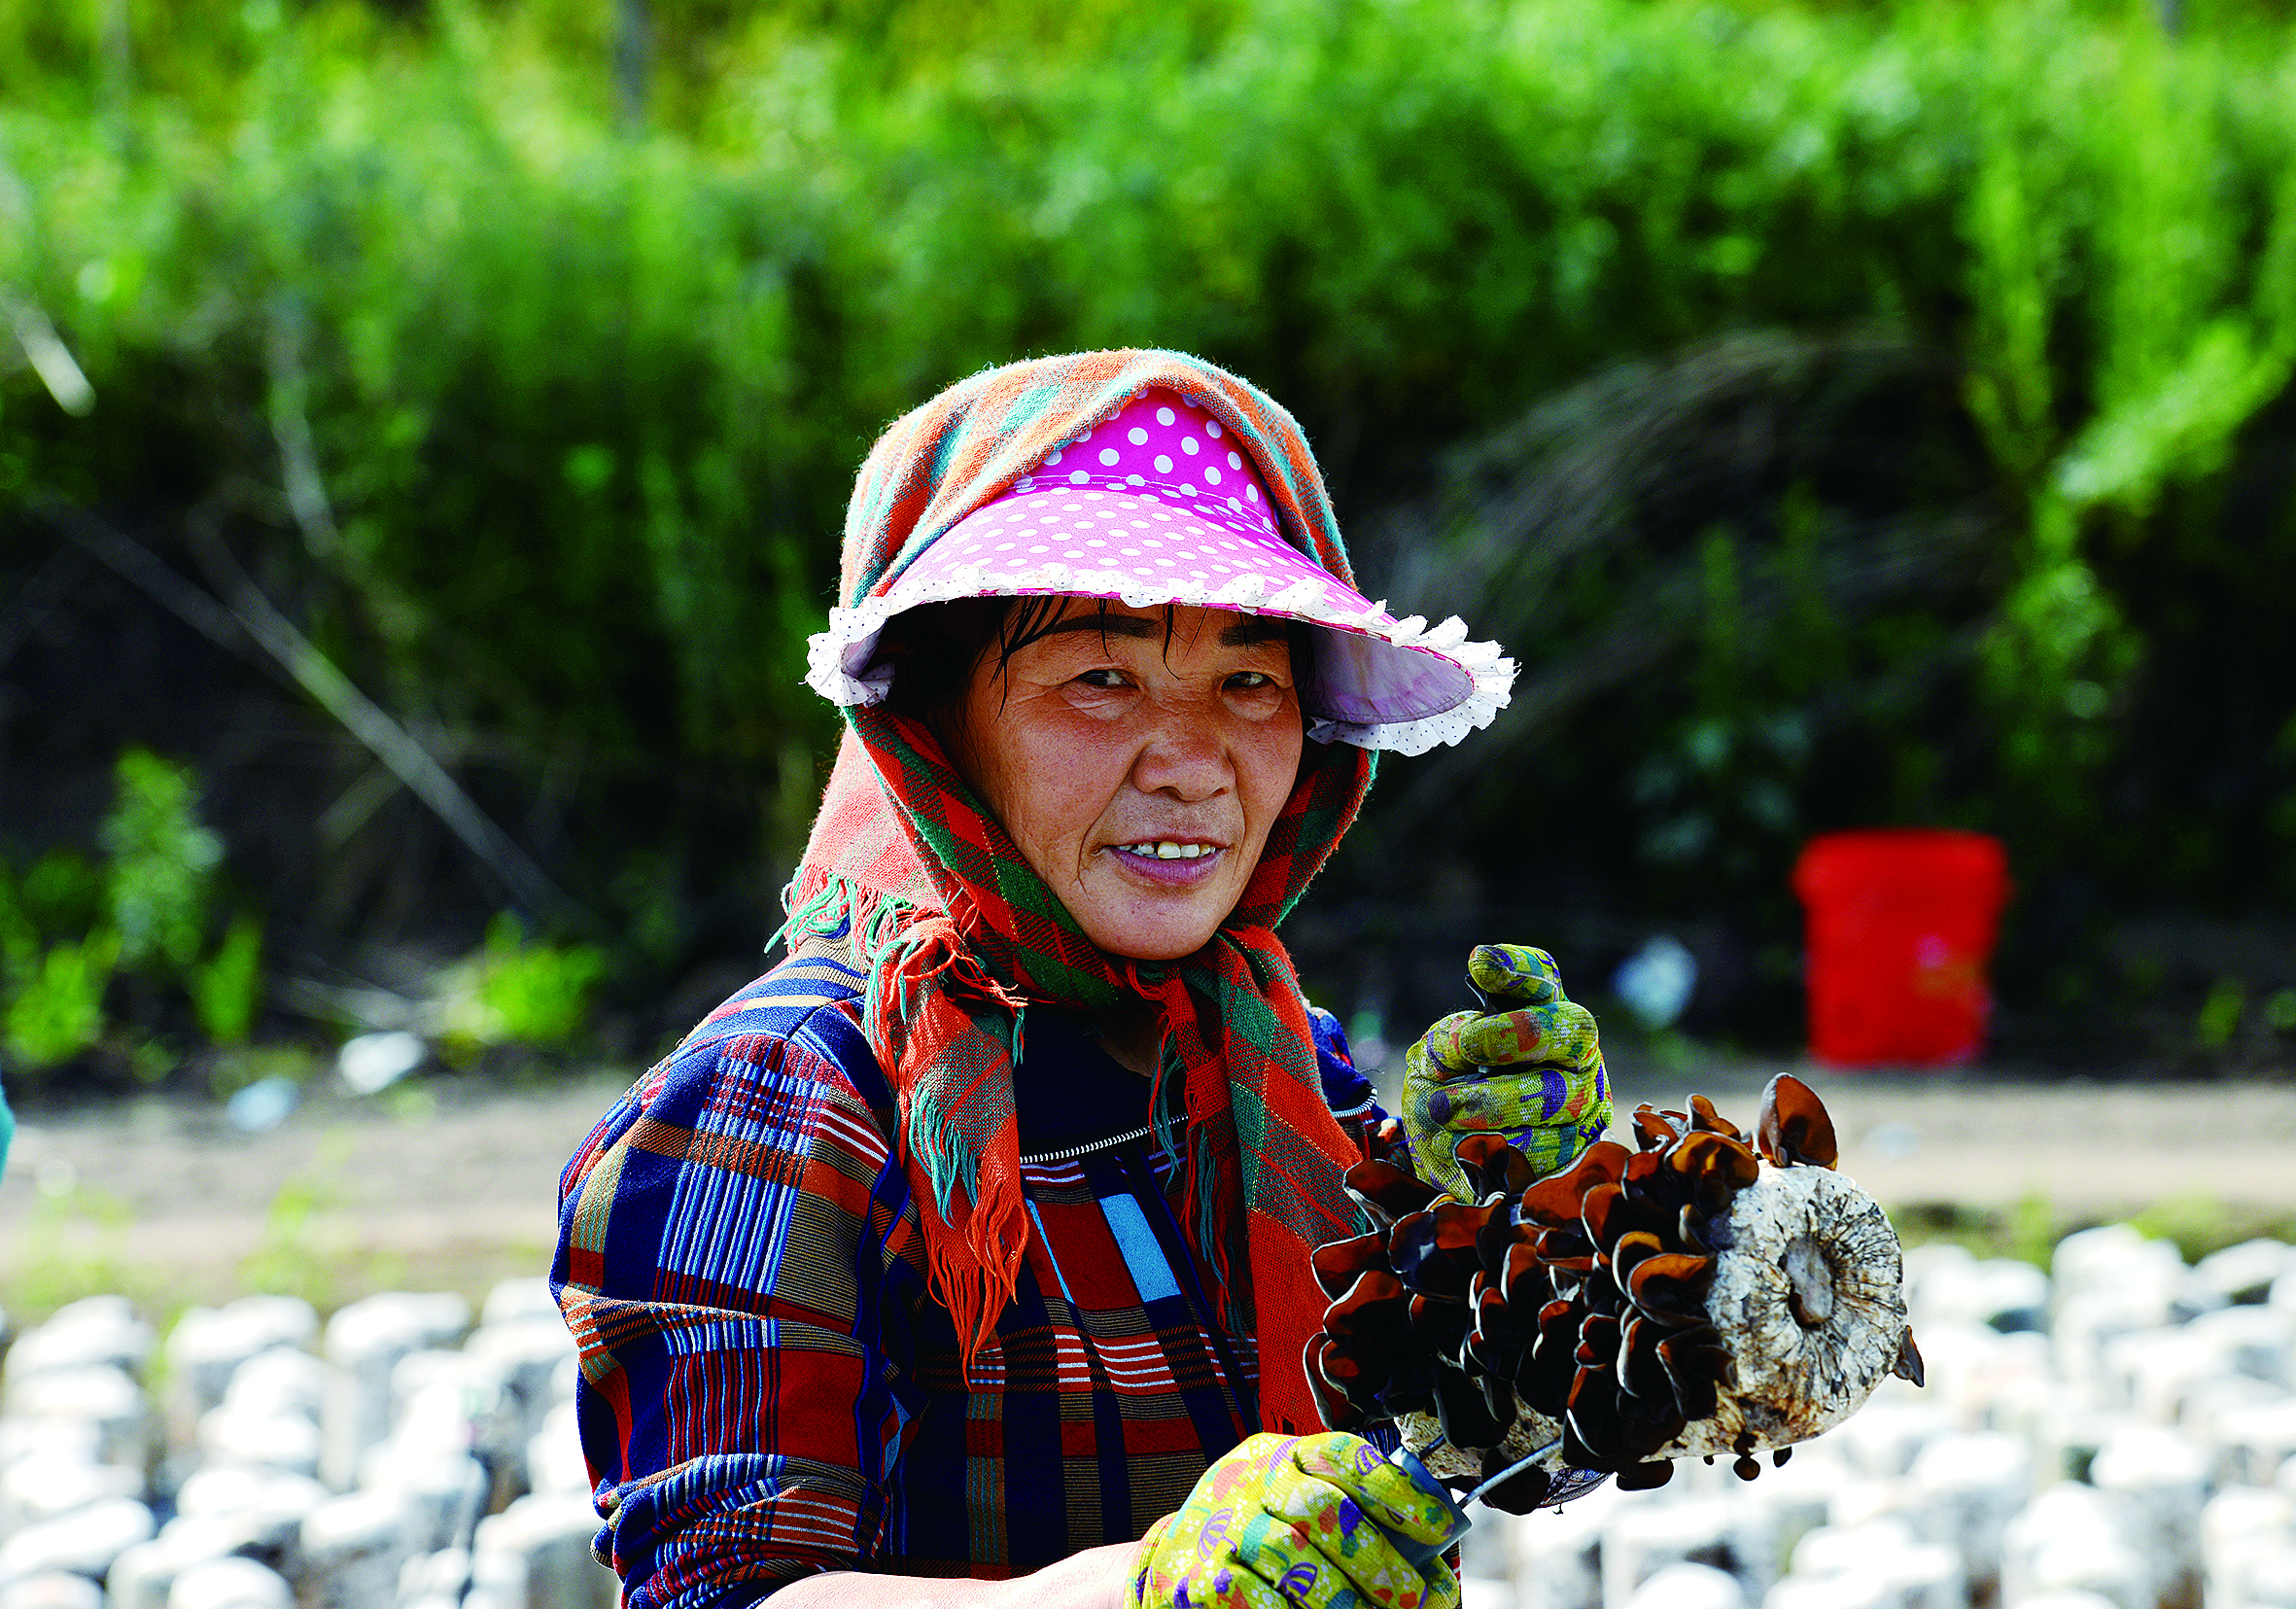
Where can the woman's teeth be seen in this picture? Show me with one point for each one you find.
(1170, 850)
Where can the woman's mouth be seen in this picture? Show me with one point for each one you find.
(1169, 863)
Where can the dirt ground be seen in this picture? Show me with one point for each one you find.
(447, 1184)
(1988, 1140)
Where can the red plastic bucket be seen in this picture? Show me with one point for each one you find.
(1902, 924)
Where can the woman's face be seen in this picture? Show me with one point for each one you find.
(1138, 778)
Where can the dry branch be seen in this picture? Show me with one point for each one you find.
(247, 622)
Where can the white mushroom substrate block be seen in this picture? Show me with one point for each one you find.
(2117, 1433)
(395, 1457)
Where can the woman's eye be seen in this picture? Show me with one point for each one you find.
(1250, 682)
(1102, 678)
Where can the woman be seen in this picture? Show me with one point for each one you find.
(971, 1241)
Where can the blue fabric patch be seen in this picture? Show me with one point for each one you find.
(1151, 1274)
(1345, 1088)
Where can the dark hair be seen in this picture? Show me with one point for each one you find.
(932, 650)
(934, 647)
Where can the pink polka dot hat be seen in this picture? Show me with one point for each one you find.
(1158, 505)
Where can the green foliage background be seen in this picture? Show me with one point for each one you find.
(584, 386)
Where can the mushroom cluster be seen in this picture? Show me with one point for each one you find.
(1699, 1294)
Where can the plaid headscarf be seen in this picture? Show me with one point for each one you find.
(959, 935)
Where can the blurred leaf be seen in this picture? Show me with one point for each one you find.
(2280, 1011)
(528, 994)
(227, 991)
(59, 1010)
(2184, 425)
(163, 863)
(20, 935)
(2220, 1014)
(63, 894)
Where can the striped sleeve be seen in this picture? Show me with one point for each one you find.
(1345, 1090)
(725, 1236)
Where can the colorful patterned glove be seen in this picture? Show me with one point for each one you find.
(1312, 1520)
(1529, 1068)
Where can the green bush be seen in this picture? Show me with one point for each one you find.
(520, 994)
(69, 925)
(544, 417)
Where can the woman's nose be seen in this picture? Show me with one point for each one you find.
(1181, 758)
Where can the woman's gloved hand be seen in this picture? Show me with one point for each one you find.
(1309, 1520)
(1529, 1068)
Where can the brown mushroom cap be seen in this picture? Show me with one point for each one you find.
(1671, 1288)
(1388, 1190)
(1705, 1118)
(1555, 1200)
(1492, 1164)
(1373, 1308)
(1655, 1129)
(1339, 1264)
(1795, 1127)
